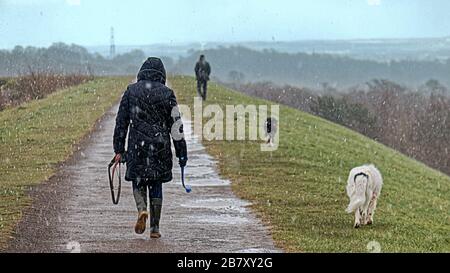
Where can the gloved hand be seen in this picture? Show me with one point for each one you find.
(120, 158)
(117, 157)
(182, 161)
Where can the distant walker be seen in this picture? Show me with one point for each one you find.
(202, 72)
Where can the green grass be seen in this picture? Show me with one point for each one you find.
(38, 135)
(299, 190)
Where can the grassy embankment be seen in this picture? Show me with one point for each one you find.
(36, 136)
(299, 190)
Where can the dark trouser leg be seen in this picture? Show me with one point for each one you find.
(199, 88)
(140, 195)
(156, 199)
(205, 87)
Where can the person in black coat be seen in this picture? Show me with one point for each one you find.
(202, 71)
(149, 111)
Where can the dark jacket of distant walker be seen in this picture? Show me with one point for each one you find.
(202, 71)
(146, 108)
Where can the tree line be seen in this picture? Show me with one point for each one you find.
(61, 58)
(230, 64)
(312, 70)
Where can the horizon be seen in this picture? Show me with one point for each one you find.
(234, 42)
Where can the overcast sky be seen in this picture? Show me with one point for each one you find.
(42, 22)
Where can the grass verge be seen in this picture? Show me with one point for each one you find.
(37, 136)
(299, 190)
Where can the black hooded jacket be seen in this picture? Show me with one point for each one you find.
(202, 71)
(149, 110)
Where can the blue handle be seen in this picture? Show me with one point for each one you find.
(186, 187)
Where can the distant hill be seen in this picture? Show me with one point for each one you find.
(312, 70)
(234, 63)
(67, 59)
(381, 50)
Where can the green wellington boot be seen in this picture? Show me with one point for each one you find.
(155, 215)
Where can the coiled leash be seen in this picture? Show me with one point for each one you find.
(186, 187)
(114, 165)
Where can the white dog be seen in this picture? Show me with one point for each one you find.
(363, 188)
